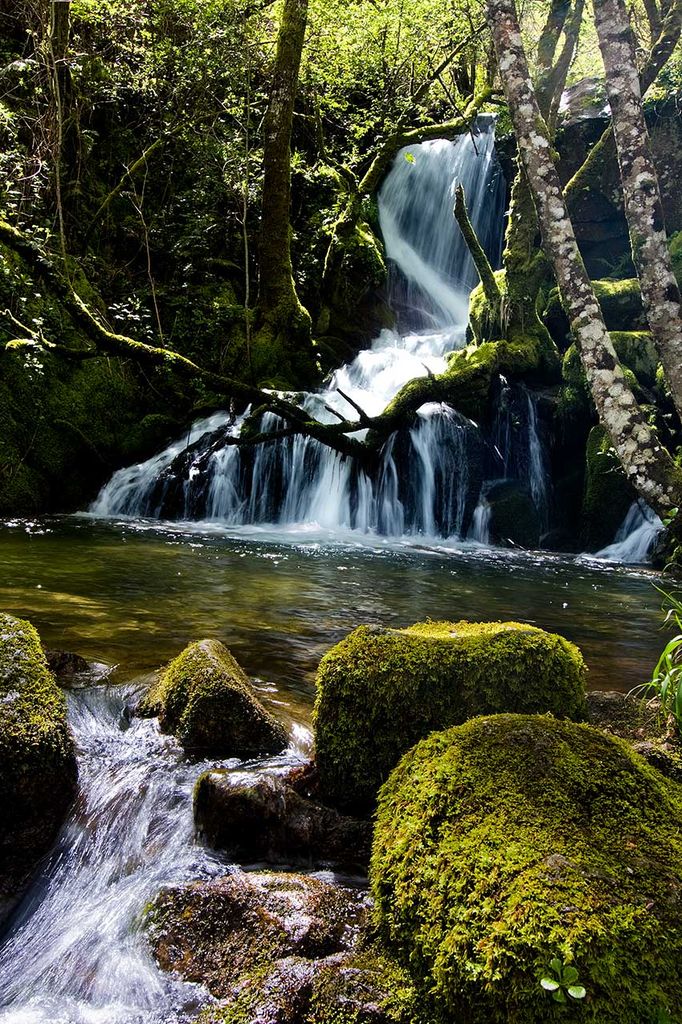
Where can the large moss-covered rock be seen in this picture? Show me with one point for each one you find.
(205, 699)
(512, 840)
(379, 691)
(38, 770)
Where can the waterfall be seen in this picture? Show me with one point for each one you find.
(429, 477)
(635, 538)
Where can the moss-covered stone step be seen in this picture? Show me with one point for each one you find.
(513, 840)
(38, 772)
(380, 690)
(205, 699)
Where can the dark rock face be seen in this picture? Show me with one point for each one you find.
(205, 699)
(38, 771)
(268, 820)
(279, 949)
(65, 664)
(514, 518)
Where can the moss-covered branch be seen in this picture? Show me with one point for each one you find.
(481, 262)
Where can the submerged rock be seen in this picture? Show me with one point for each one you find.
(379, 691)
(267, 820)
(38, 772)
(205, 699)
(279, 949)
(512, 840)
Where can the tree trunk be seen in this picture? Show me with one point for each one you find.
(646, 463)
(282, 345)
(641, 193)
(605, 149)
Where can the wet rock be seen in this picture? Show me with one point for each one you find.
(278, 948)
(205, 699)
(624, 715)
(381, 690)
(38, 772)
(267, 820)
(514, 519)
(513, 839)
(65, 664)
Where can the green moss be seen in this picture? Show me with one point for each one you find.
(381, 690)
(608, 493)
(370, 976)
(636, 351)
(37, 760)
(510, 840)
(204, 698)
(620, 301)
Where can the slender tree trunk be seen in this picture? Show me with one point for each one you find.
(605, 149)
(647, 464)
(641, 193)
(285, 326)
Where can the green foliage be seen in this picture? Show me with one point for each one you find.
(562, 982)
(512, 840)
(381, 690)
(665, 684)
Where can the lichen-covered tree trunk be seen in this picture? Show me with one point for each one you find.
(661, 51)
(282, 345)
(647, 464)
(641, 193)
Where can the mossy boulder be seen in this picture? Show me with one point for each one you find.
(608, 492)
(38, 772)
(380, 690)
(205, 699)
(512, 840)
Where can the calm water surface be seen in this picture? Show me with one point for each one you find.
(133, 594)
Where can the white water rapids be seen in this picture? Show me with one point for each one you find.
(76, 953)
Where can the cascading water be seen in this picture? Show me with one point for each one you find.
(76, 953)
(429, 479)
(636, 537)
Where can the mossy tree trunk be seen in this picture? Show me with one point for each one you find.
(641, 192)
(647, 464)
(282, 346)
(526, 268)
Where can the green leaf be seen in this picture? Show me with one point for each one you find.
(570, 976)
(556, 965)
(559, 996)
(410, 158)
(577, 991)
(549, 984)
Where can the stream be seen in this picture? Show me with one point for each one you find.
(279, 555)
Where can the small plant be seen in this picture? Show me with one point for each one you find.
(562, 982)
(666, 681)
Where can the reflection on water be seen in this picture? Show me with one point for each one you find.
(133, 594)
